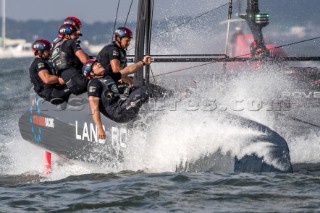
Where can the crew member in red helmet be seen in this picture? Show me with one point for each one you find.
(68, 58)
(69, 20)
(113, 57)
(47, 85)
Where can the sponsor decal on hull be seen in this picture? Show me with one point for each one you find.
(37, 121)
(89, 132)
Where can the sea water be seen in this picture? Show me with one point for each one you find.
(147, 180)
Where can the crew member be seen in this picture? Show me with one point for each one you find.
(104, 95)
(68, 57)
(113, 56)
(69, 20)
(47, 85)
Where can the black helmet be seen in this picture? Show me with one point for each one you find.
(87, 67)
(67, 29)
(41, 45)
(123, 32)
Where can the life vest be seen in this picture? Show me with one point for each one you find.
(60, 59)
(123, 60)
(39, 89)
(123, 55)
(36, 85)
(106, 61)
(110, 92)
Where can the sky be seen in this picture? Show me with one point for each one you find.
(90, 11)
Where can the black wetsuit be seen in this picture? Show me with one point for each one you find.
(110, 52)
(68, 66)
(111, 104)
(54, 93)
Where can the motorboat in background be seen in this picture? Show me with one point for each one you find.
(16, 48)
(12, 48)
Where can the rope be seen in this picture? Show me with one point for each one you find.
(192, 19)
(125, 23)
(153, 76)
(305, 122)
(186, 22)
(115, 21)
(285, 45)
(227, 36)
(187, 68)
(228, 27)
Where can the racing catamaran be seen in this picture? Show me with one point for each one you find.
(68, 129)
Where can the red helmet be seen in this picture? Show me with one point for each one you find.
(67, 29)
(123, 32)
(74, 21)
(87, 67)
(41, 45)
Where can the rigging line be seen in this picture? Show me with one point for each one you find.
(284, 45)
(125, 23)
(298, 120)
(187, 68)
(298, 42)
(153, 76)
(199, 16)
(194, 18)
(228, 27)
(200, 65)
(228, 31)
(115, 21)
(305, 122)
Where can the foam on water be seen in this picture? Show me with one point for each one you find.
(178, 137)
(184, 135)
(305, 148)
(21, 157)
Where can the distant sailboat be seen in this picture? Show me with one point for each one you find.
(12, 48)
